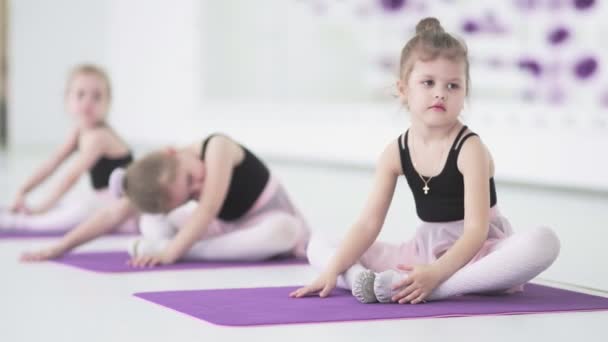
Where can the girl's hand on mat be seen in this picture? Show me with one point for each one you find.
(41, 255)
(149, 260)
(420, 282)
(19, 205)
(323, 285)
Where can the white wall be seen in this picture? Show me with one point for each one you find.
(155, 60)
(149, 49)
(46, 39)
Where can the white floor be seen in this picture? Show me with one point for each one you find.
(57, 303)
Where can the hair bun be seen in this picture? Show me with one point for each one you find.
(117, 181)
(429, 25)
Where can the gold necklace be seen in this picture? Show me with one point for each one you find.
(426, 187)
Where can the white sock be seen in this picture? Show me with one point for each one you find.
(363, 287)
(156, 226)
(156, 233)
(383, 285)
(146, 247)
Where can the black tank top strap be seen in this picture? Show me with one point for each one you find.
(403, 140)
(404, 154)
(460, 133)
(467, 136)
(204, 147)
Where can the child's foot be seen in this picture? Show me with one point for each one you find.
(145, 247)
(132, 246)
(363, 287)
(384, 283)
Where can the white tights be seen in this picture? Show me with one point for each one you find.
(264, 236)
(63, 217)
(512, 262)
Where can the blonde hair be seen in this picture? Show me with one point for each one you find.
(429, 43)
(146, 182)
(89, 69)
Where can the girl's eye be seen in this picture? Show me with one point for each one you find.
(453, 86)
(96, 96)
(80, 94)
(189, 180)
(428, 83)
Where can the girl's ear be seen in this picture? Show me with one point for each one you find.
(402, 91)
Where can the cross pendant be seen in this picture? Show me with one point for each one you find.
(426, 189)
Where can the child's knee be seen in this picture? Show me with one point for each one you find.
(319, 251)
(545, 238)
(543, 244)
(284, 227)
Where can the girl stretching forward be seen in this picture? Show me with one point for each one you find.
(464, 244)
(99, 151)
(243, 213)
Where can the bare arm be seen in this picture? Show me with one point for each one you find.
(46, 169)
(474, 163)
(102, 222)
(366, 229)
(91, 149)
(221, 156)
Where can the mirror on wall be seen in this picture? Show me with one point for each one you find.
(3, 71)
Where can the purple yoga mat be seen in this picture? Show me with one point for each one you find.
(31, 234)
(116, 262)
(271, 305)
(24, 234)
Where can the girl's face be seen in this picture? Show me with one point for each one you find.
(188, 182)
(435, 91)
(88, 99)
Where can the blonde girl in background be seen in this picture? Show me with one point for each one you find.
(97, 150)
